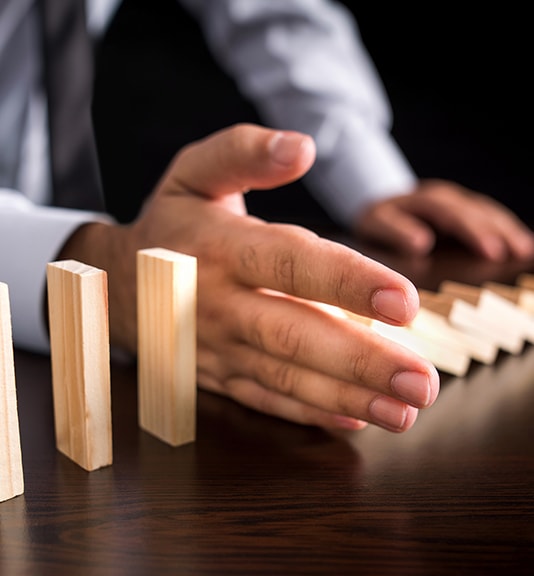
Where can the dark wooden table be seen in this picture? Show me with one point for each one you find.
(255, 495)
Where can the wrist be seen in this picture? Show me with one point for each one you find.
(105, 246)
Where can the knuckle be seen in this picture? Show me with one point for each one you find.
(290, 265)
(359, 366)
(283, 379)
(249, 259)
(288, 339)
(342, 285)
(285, 270)
(343, 399)
(256, 334)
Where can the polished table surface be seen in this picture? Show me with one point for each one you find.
(256, 495)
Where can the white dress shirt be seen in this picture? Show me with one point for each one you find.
(31, 231)
(304, 66)
(300, 61)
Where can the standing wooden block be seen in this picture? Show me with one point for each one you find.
(11, 473)
(167, 333)
(79, 341)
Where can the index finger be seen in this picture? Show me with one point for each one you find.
(295, 261)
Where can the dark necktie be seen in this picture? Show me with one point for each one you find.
(16, 74)
(69, 83)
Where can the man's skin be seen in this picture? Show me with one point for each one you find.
(408, 223)
(261, 340)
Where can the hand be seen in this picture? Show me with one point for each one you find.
(409, 222)
(261, 339)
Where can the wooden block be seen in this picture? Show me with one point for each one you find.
(521, 297)
(495, 311)
(79, 346)
(505, 316)
(437, 328)
(525, 286)
(525, 280)
(445, 358)
(467, 318)
(167, 303)
(519, 306)
(11, 471)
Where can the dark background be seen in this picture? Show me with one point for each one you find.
(459, 83)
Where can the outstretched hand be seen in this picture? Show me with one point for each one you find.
(261, 339)
(409, 223)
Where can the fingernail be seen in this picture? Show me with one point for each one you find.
(285, 147)
(391, 304)
(388, 413)
(412, 387)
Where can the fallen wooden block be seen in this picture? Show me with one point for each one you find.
(166, 315)
(11, 471)
(507, 317)
(435, 327)
(79, 348)
(520, 306)
(518, 295)
(525, 280)
(445, 358)
(467, 317)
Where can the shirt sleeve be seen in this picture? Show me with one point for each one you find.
(30, 237)
(303, 64)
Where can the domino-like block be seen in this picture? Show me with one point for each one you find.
(80, 357)
(518, 295)
(444, 357)
(467, 317)
(11, 471)
(437, 328)
(525, 280)
(515, 305)
(166, 316)
(514, 323)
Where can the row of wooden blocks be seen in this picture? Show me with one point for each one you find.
(80, 360)
(455, 326)
(460, 323)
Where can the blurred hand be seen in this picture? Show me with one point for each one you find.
(261, 339)
(409, 223)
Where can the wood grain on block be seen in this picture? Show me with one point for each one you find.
(79, 347)
(166, 311)
(445, 358)
(11, 471)
(510, 320)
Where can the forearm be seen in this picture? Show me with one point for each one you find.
(30, 237)
(305, 67)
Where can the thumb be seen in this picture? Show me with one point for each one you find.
(240, 158)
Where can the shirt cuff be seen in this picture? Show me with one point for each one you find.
(31, 236)
(355, 168)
